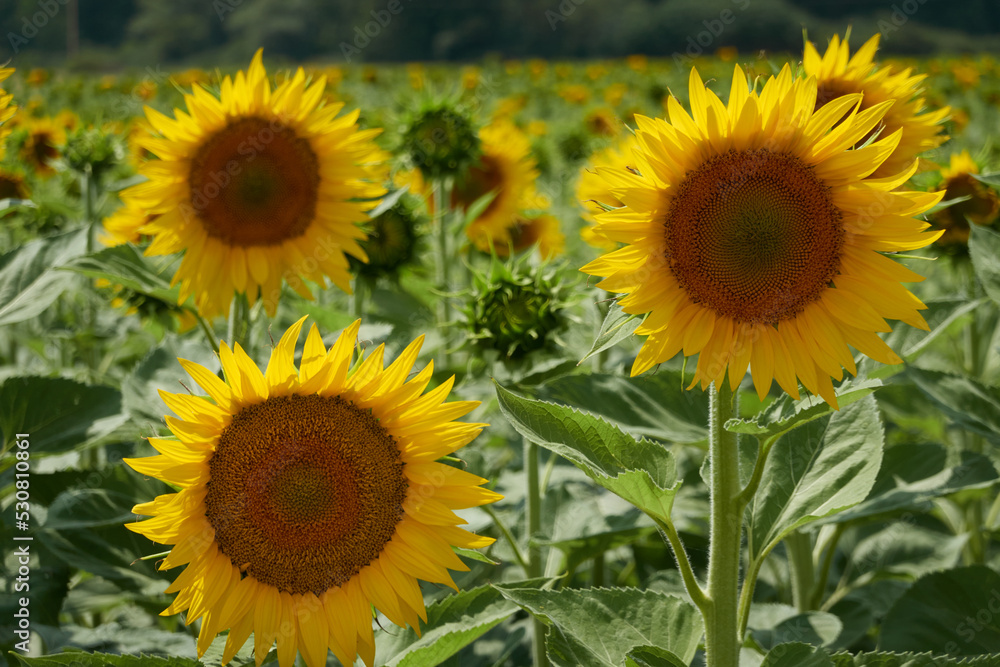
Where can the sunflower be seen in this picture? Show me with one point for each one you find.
(602, 122)
(255, 186)
(308, 495)
(12, 185)
(6, 108)
(592, 190)
(838, 75)
(123, 225)
(754, 236)
(507, 167)
(982, 207)
(46, 136)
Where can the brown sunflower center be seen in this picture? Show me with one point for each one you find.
(480, 179)
(753, 235)
(255, 182)
(304, 491)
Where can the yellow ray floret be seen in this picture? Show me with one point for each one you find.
(753, 234)
(308, 495)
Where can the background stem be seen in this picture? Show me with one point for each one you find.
(800, 566)
(534, 512)
(442, 203)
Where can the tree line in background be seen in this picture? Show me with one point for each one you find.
(118, 34)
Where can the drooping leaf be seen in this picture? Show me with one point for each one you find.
(452, 623)
(903, 550)
(639, 471)
(984, 248)
(617, 326)
(652, 656)
(651, 406)
(85, 508)
(125, 265)
(956, 612)
(967, 402)
(815, 471)
(908, 480)
(598, 627)
(796, 654)
(771, 625)
(880, 659)
(57, 413)
(29, 278)
(786, 414)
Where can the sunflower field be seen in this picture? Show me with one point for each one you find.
(650, 362)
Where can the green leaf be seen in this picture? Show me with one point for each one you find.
(587, 523)
(955, 612)
(85, 508)
(984, 248)
(471, 554)
(903, 550)
(29, 279)
(909, 480)
(911, 660)
(598, 627)
(952, 313)
(477, 207)
(651, 406)
(81, 659)
(57, 413)
(822, 468)
(797, 655)
(967, 402)
(388, 202)
(125, 265)
(786, 414)
(617, 326)
(651, 656)
(452, 624)
(641, 472)
(989, 179)
(780, 624)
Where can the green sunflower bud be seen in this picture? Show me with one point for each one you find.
(392, 242)
(441, 141)
(515, 310)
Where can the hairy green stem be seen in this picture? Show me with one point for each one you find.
(694, 589)
(824, 572)
(722, 645)
(746, 595)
